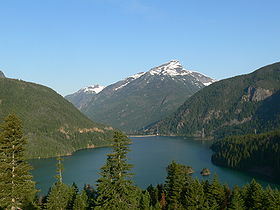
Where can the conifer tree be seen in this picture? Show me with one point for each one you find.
(81, 201)
(253, 195)
(236, 201)
(271, 199)
(177, 179)
(16, 186)
(115, 188)
(195, 197)
(216, 194)
(61, 195)
(145, 200)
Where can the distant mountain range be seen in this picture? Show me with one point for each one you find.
(141, 99)
(52, 125)
(239, 105)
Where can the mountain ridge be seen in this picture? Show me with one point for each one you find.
(136, 101)
(227, 107)
(53, 126)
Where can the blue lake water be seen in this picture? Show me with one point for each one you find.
(150, 157)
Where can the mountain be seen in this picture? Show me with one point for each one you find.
(143, 98)
(2, 75)
(239, 105)
(52, 125)
(84, 95)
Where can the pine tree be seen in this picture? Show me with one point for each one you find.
(253, 195)
(61, 195)
(16, 186)
(145, 200)
(81, 201)
(271, 199)
(216, 194)
(236, 201)
(115, 188)
(177, 178)
(195, 197)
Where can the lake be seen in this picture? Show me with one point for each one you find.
(150, 157)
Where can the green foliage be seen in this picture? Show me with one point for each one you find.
(215, 193)
(234, 106)
(145, 200)
(194, 197)
(60, 196)
(236, 201)
(52, 125)
(253, 195)
(177, 179)
(81, 201)
(260, 153)
(16, 186)
(115, 188)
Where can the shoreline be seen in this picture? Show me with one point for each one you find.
(141, 135)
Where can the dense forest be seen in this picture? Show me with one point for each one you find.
(115, 188)
(259, 153)
(53, 126)
(239, 105)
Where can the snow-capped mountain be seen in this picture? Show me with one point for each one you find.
(173, 69)
(84, 95)
(143, 98)
(92, 89)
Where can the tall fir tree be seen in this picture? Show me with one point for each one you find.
(81, 201)
(61, 195)
(16, 186)
(195, 197)
(177, 178)
(253, 194)
(115, 189)
(236, 201)
(216, 195)
(271, 198)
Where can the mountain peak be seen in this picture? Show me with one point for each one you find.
(2, 75)
(92, 89)
(172, 68)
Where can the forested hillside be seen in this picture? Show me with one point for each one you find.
(52, 125)
(256, 153)
(239, 105)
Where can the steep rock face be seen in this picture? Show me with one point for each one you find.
(228, 107)
(143, 98)
(256, 94)
(52, 125)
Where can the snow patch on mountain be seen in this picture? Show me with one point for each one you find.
(138, 75)
(172, 68)
(121, 86)
(92, 89)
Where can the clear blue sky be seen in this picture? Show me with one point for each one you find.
(68, 44)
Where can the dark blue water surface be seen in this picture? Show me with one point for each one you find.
(149, 155)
